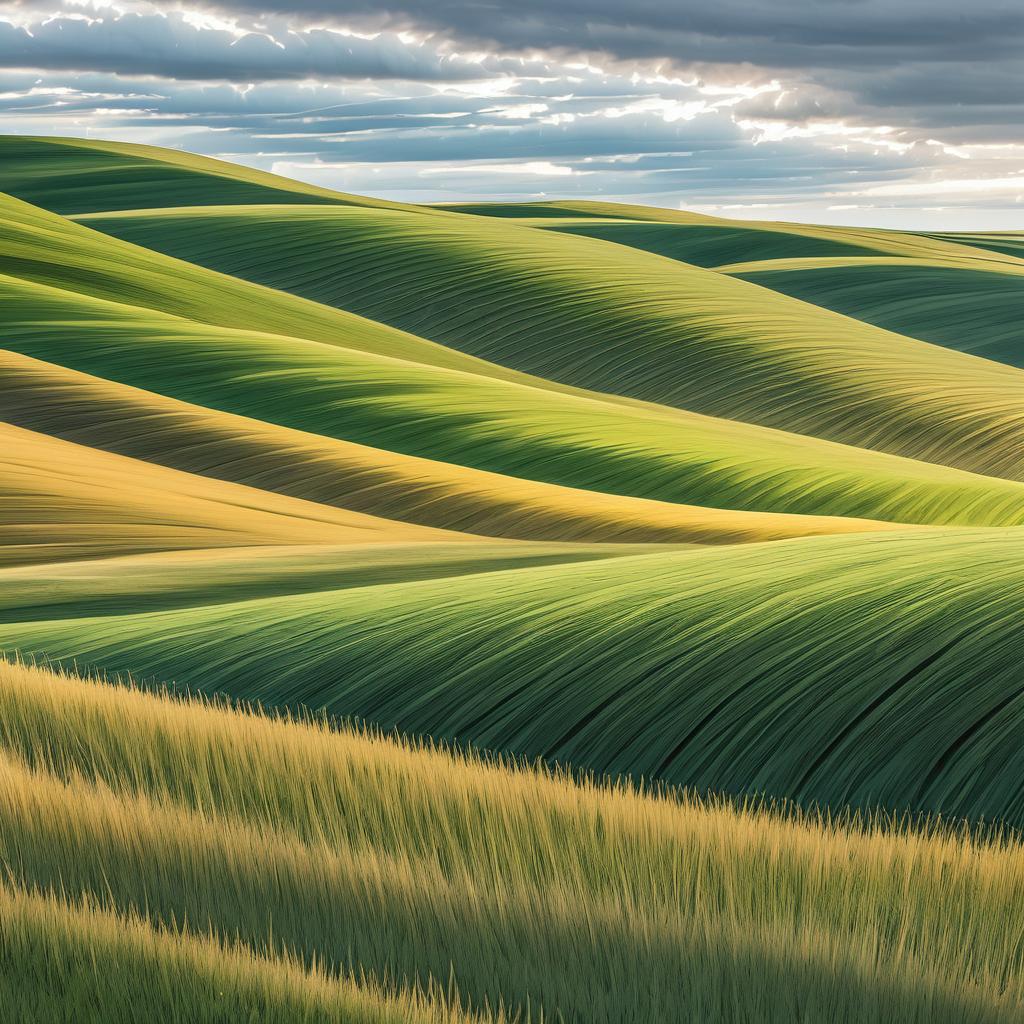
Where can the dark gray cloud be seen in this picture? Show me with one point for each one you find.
(921, 62)
(933, 65)
(782, 33)
(168, 45)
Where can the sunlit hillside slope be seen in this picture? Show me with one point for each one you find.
(615, 319)
(158, 324)
(878, 670)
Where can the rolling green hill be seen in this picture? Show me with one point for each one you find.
(82, 175)
(616, 320)
(334, 388)
(947, 303)
(948, 289)
(143, 424)
(60, 500)
(660, 499)
(475, 414)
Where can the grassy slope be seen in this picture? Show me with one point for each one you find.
(207, 353)
(960, 304)
(60, 500)
(850, 670)
(39, 247)
(519, 426)
(703, 242)
(871, 669)
(81, 175)
(500, 886)
(615, 319)
(477, 421)
(949, 290)
(145, 425)
(78, 962)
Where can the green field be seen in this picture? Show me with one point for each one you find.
(612, 586)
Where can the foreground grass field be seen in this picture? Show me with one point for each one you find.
(718, 522)
(141, 836)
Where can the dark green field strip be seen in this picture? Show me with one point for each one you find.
(972, 311)
(526, 211)
(1009, 242)
(710, 245)
(751, 239)
(851, 671)
(616, 320)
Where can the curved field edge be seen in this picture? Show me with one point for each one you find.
(144, 425)
(212, 576)
(65, 960)
(945, 303)
(41, 248)
(710, 241)
(77, 175)
(61, 500)
(500, 886)
(575, 440)
(869, 670)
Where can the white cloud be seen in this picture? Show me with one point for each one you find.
(536, 168)
(668, 110)
(519, 112)
(949, 186)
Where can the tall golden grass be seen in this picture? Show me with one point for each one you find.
(412, 868)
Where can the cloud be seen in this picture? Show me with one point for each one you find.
(536, 168)
(419, 140)
(174, 45)
(935, 63)
(927, 65)
(832, 107)
(1013, 184)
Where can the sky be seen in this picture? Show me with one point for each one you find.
(898, 113)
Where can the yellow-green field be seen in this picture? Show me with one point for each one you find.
(633, 597)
